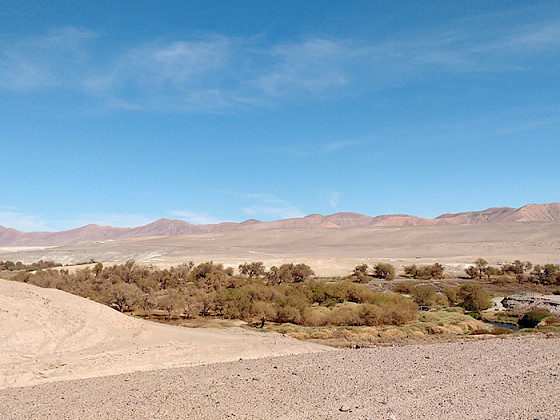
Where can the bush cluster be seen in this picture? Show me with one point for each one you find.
(361, 273)
(470, 295)
(546, 274)
(16, 266)
(281, 294)
(425, 272)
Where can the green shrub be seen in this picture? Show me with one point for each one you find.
(473, 297)
(532, 318)
(501, 331)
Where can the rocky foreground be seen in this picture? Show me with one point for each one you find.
(490, 379)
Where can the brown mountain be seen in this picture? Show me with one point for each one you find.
(13, 237)
(167, 227)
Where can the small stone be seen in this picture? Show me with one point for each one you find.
(256, 378)
(345, 409)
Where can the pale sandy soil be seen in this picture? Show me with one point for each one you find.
(329, 252)
(49, 335)
(491, 379)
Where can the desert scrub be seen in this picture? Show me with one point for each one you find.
(286, 294)
(532, 318)
(491, 331)
(442, 322)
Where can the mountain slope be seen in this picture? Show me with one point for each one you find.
(166, 227)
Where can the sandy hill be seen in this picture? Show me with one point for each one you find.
(168, 227)
(48, 335)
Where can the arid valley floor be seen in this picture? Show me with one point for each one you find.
(66, 357)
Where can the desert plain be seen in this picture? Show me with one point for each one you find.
(66, 357)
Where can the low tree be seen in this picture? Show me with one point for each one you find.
(480, 264)
(97, 269)
(252, 270)
(123, 295)
(385, 271)
(436, 271)
(360, 274)
(289, 273)
(471, 271)
(263, 311)
(302, 272)
(148, 303)
(173, 302)
(473, 297)
(490, 271)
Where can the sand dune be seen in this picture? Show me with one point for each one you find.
(48, 335)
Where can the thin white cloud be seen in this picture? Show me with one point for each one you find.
(218, 72)
(195, 218)
(104, 219)
(311, 66)
(268, 207)
(337, 145)
(59, 59)
(334, 199)
(22, 221)
(267, 212)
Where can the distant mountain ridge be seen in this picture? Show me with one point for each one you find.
(166, 227)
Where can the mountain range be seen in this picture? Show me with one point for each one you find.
(167, 227)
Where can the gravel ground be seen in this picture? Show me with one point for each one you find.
(490, 379)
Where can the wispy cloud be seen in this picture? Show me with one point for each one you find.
(59, 59)
(218, 72)
(334, 198)
(196, 218)
(267, 206)
(337, 145)
(312, 66)
(28, 222)
(279, 212)
(21, 221)
(104, 219)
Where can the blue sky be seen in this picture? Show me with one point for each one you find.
(121, 113)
